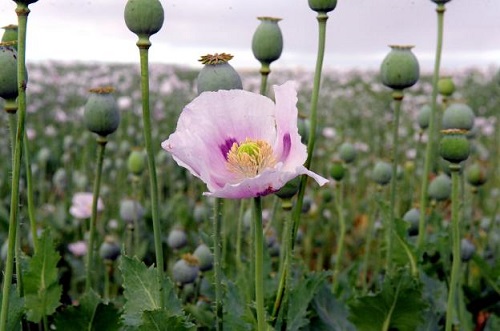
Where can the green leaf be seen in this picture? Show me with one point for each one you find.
(331, 314)
(142, 290)
(237, 315)
(91, 315)
(162, 320)
(16, 310)
(41, 288)
(300, 297)
(399, 305)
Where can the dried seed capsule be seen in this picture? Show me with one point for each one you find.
(217, 74)
(144, 17)
(101, 114)
(322, 6)
(267, 41)
(400, 68)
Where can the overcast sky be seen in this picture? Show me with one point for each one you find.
(358, 31)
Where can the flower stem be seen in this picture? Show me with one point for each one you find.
(259, 265)
(398, 98)
(313, 117)
(146, 118)
(369, 238)
(22, 12)
(30, 196)
(455, 228)
(219, 203)
(339, 202)
(429, 151)
(101, 141)
(264, 73)
(239, 265)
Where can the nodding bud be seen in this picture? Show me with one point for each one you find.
(400, 68)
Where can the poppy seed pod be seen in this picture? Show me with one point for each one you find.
(217, 74)
(136, 162)
(10, 33)
(440, 2)
(347, 152)
(424, 116)
(400, 68)
(204, 256)
(382, 173)
(267, 41)
(476, 175)
(454, 146)
(101, 114)
(8, 77)
(458, 116)
(440, 188)
(337, 170)
(322, 6)
(446, 87)
(109, 249)
(186, 270)
(290, 189)
(144, 17)
(25, 2)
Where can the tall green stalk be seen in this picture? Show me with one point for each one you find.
(429, 151)
(398, 98)
(217, 221)
(455, 228)
(259, 265)
(22, 12)
(264, 74)
(30, 196)
(101, 141)
(153, 183)
(339, 206)
(313, 116)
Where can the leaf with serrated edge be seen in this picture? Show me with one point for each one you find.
(41, 288)
(162, 320)
(16, 309)
(142, 290)
(332, 315)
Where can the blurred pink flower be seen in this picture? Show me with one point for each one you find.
(241, 144)
(81, 206)
(78, 248)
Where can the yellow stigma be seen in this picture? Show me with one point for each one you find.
(250, 158)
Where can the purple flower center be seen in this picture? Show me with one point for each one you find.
(226, 146)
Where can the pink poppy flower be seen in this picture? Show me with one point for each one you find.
(81, 206)
(241, 144)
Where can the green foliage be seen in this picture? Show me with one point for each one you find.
(398, 306)
(331, 314)
(92, 315)
(300, 298)
(162, 320)
(16, 310)
(41, 287)
(237, 315)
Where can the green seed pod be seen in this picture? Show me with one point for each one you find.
(440, 2)
(267, 41)
(424, 116)
(446, 87)
(185, 271)
(217, 74)
(322, 6)
(101, 114)
(347, 152)
(400, 68)
(25, 2)
(10, 33)
(144, 17)
(382, 173)
(454, 146)
(412, 217)
(440, 188)
(304, 127)
(177, 239)
(8, 77)
(136, 162)
(290, 189)
(204, 256)
(131, 210)
(337, 170)
(109, 250)
(476, 175)
(458, 116)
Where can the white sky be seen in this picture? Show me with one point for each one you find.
(358, 31)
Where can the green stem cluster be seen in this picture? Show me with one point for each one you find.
(101, 141)
(22, 12)
(153, 182)
(455, 228)
(429, 151)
